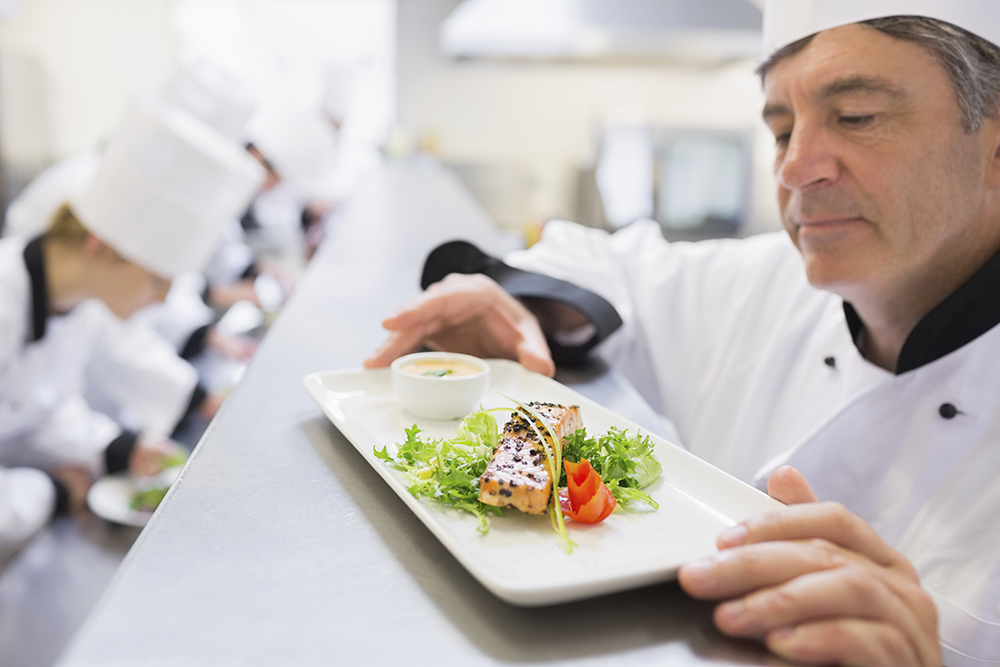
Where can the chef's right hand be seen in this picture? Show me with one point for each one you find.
(470, 314)
(235, 347)
(817, 584)
(76, 481)
(151, 455)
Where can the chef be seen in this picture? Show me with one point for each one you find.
(225, 103)
(165, 187)
(145, 368)
(184, 320)
(300, 148)
(859, 350)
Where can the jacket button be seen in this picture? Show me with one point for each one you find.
(948, 410)
(831, 362)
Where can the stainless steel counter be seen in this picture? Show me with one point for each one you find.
(280, 546)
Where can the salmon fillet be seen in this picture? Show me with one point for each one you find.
(518, 474)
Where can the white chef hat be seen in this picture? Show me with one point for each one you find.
(218, 98)
(787, 21)
(299, 144)
(167, 186)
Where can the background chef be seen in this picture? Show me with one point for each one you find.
(875, 371)
(165, 187)
(184, 320)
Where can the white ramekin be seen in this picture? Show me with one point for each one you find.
(447, 397)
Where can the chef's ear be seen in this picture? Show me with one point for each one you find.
(994, 168)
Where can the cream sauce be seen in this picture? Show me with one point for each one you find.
(441, 368)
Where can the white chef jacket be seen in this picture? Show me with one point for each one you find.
(756, 368)
(276, 217)
(138, 377)
(183, 313)
(27, 499)
(45, 420)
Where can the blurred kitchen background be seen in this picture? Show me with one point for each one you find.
(600, 111)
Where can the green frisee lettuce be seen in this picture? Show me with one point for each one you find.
(448, 471)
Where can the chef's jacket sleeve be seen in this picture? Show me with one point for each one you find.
(183, 317)
(142, 374)
(27, 500)
(687, 308)
(566, 347)
(232, 258)
(73, 433)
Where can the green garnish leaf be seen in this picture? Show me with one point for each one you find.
(149, 500)
(625, 462)
(440, 373)
(448, 471)
(553, 456)
(178, 458)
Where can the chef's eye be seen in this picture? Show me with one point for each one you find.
(781, 140)
(857, 121)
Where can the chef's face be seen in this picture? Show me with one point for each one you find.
(123, 286)
(880, 185)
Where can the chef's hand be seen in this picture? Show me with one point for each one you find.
(237, 347)
(222, 297)
(470, 314)
(76, 480)
(151, 454)
(817, 584)
(277, 270)
(211, 404)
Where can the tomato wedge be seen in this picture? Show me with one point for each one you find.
(585, 499)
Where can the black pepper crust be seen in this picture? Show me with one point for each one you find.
(519, 469)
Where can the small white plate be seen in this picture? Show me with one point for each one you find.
(521, 559)
(110, 497)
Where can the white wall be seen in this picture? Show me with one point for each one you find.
(282, 49)
(94, 54)
(548, 116)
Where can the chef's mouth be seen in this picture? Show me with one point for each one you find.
(822, 221)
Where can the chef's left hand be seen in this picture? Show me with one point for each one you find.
(222, 297)
(817, 584)
(151, 453)
(236, 347)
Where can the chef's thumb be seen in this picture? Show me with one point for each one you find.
(789, 486)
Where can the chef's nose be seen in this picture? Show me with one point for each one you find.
(808, 160)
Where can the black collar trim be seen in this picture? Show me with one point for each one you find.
(34, 261)
(969, 312)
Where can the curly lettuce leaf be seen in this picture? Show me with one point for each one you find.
(447, 471)
(625, 462)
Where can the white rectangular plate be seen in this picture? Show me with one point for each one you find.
(521, 560)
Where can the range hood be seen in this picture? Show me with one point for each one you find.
(685, 30)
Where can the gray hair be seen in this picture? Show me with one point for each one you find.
(972, 62)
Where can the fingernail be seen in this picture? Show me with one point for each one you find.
(731, 611)
(699, 569)
(733, 537)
